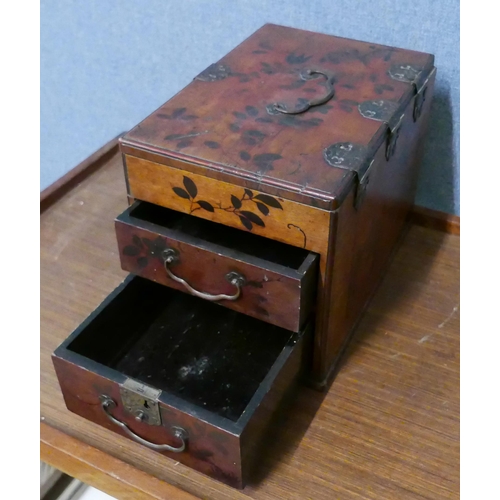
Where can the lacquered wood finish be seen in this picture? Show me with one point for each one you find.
(282, 220)
(220, 120)
(365, 239)
(215, 445)
(273, 292)
(113, 476)
(388, 428)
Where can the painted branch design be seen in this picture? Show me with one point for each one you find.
(238, 206)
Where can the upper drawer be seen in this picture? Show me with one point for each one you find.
(263, 278)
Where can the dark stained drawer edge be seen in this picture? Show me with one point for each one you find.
(308, 257)
(242, 435)
(279, 280)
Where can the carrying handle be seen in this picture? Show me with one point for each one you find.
(306, 74)
(170, 256)
(108, 404)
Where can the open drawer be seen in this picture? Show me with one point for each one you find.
(196, 382)
(251, 274)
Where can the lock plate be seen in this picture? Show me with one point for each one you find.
(141, 401)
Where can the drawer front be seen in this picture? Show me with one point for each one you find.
(210, 450)
(276, 218)
(91, 365)
(281, 293)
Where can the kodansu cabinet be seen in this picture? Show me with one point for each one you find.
(266, 199)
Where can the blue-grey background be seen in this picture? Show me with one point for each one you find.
(107, 64)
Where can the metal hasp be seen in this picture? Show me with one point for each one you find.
(141, 401)
(352, 157)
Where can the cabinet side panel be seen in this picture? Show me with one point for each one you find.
(366, 238)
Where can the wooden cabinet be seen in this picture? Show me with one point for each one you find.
(274, 188)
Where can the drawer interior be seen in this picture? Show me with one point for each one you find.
(239, 240)
(210, 356)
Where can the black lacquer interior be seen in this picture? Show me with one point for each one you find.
(236, 239)
(206, 354)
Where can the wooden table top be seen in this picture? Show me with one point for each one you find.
(388, 428)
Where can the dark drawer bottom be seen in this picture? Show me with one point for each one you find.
(155, 364)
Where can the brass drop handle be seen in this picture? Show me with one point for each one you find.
(306, 74)
(108, 404)
(170, 256)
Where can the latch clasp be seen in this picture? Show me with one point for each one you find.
(141, 401)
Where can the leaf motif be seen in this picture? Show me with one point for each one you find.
(212, 144)
(178, 112)
(253, 218)
(131, 251)
(180, 192)
(236, 202)
(269, 200)
(249, 193)
(184, 143)
(252, 110)
(234, 127)
(190, 187)
(245, 156)
(263, 208)
(149, 244)
(205, 205)
(137, 241)
(159, 243)
(142, 262)
(239, 115)
(297, 59)
(164, 116)
(246, 222)
(265, 161)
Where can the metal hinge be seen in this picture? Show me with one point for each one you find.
(410, 74)
(141, 401)
(420, 96)
(383, 110)
(361, 187)
(393, 137)
(351, 157)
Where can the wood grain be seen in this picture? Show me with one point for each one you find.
(276, 294)
(113, 476)
(69, 180)
(435, 219)
(366, 238)
(296, 224)
(223, 120)
(388, 428)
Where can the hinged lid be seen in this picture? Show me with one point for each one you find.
(280, 110)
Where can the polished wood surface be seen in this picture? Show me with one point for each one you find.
(366, 238)
(279, 293)
(92, 466)
(282, 220)
(223, 120)
(435, 219)
(387, 428)
(77, 174)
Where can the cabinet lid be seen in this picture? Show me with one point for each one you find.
(289, 112)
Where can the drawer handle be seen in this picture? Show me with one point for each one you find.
(170, 256)
(108, 404)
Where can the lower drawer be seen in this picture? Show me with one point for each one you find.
(180, 375)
